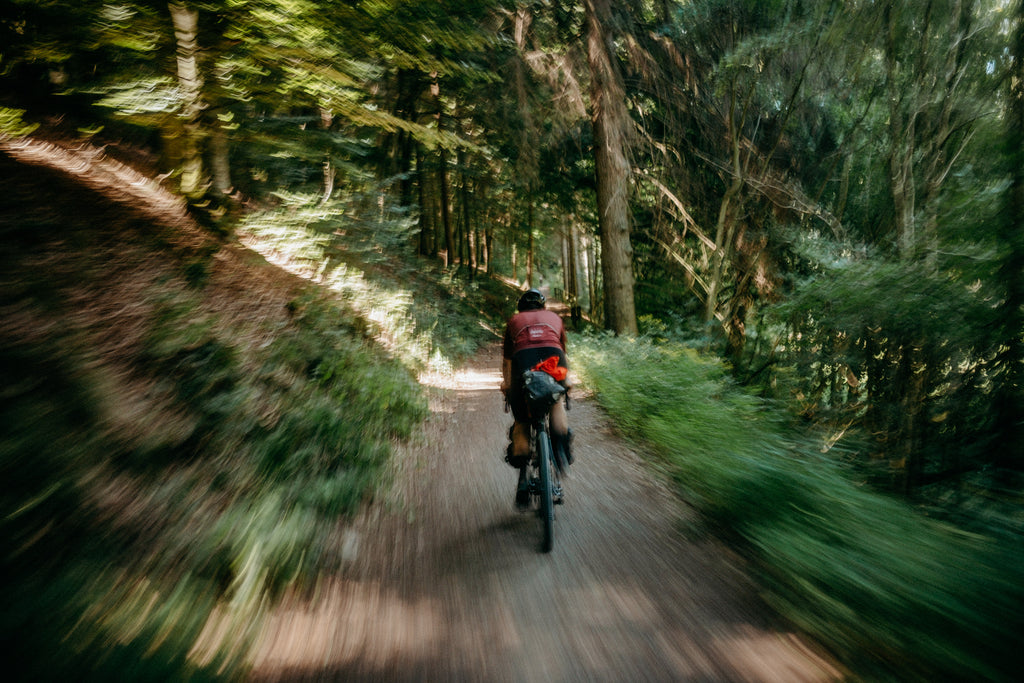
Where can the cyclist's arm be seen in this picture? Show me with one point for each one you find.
(506, 374)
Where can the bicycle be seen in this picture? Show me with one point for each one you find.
(544, 483)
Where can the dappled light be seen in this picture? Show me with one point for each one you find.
(101, 172)
(261, 266)
(402, 319)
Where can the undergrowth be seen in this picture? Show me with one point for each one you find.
(428, 319)
(118, 542)
(158, 497)
(896, 594)
(60, 571)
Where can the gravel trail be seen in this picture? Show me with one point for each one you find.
(444, 581)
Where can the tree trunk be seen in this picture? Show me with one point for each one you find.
(564, 244)
(466, 256)
(406, 143)
(612, 125)
(593, 282)
(446, 218)
(529, 244)
(928, 124)
(467, 220)
(477, 258)
(220, 162)
(488, 246)
(571, 266)
(409, 88)
(482, 228)
(186, 30)
(515, 262)
(442, 176)
(936, 160)
(912, 389)
(427, 241)
(526, 171)
(527, 152)
(901, 140)
(724, 234)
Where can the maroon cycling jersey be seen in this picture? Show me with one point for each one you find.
(533, 329)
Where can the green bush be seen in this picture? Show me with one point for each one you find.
(271, 445)
(63, 566)
(428, 317)
(895, 594)
(337, 405)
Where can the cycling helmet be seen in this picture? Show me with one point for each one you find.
(531, 300)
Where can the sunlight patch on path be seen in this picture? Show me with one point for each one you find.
(463, 380)
(776, 656)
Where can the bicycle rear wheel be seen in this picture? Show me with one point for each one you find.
(547, 505)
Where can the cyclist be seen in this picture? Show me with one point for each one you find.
(534, 337)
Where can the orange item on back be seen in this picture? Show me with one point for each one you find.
(552, 367)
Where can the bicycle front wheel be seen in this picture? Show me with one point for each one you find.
(547, 504)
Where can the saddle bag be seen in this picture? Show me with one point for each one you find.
(541, 391)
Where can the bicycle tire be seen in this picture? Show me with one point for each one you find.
(547, 504)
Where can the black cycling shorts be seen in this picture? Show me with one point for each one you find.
(525, 360)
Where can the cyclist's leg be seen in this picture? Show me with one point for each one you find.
(561, 435)
(547, 490)
(519, 450)
(559, 420)
(520, 436)
(523, 488)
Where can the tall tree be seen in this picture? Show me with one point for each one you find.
(927, 64)
(190, 79)
(612, 129)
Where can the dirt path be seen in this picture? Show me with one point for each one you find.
(445, 580)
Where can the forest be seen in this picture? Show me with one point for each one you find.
(812, 208)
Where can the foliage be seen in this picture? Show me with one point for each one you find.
(823, 194)
(63, 590)
(12, 124)
(892, 592)
(134, 514)
(333, 408)
(428, 321)
(873, 345)
(237, 503)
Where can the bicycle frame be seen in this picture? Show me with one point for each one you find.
(545, 484)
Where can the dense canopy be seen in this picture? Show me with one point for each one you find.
(826, 192)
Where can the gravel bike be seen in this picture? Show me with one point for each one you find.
(545, 485)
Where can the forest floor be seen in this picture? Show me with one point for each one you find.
(442, 579)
